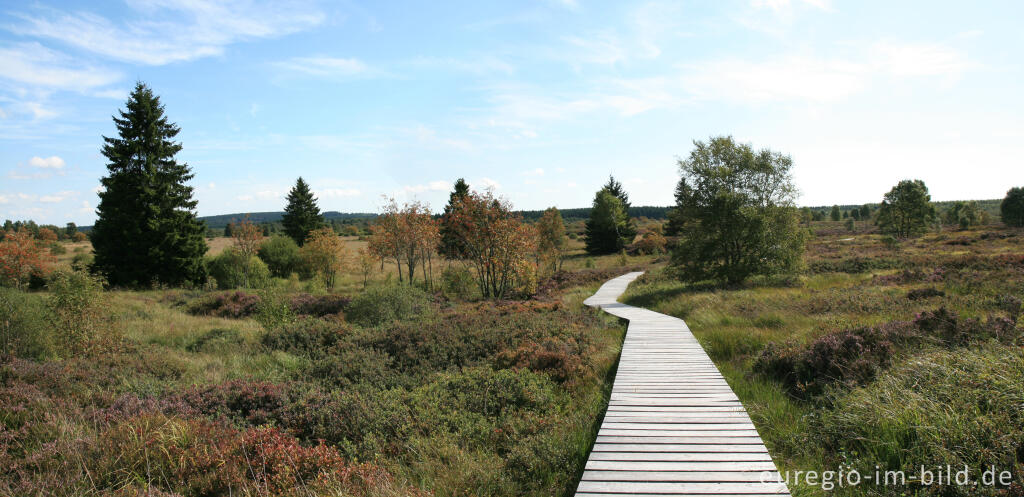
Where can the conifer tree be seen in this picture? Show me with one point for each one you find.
(146, 231)
(301, 215)
(452, 246)
(615, 188)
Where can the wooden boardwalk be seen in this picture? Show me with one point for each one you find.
(673, 425)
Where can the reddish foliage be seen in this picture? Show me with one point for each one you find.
(21, 258)
(236, 305)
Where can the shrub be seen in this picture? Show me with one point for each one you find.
(281, 255)
(274, 309)
(558, 359)
(229, 270)
(198, 458)
(318, 305)
(457, 282)
(652, 243)
(848, 357)
(386, 303)
(78, 312)
(24, 325)
(57, 248)
(235, 305)
(81, 261)
(925, 293)
(310, 337)
(22, 259)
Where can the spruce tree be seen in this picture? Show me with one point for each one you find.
(146, 231)
(628, 231)
(452, 247)
(301, 215)
(615, 188)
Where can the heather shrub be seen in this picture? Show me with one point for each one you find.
(305, 304)
(25, 325)
(242, 402)
(362, 423)
(848, 357)
(387, 303)
(199, 458)
(559, 359)
(924, 293)
(484, 407)
(236, 305)
(230, 269)
(309, 337)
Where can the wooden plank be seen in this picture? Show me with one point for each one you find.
(673, 425)
(671, 475)
(683, 488)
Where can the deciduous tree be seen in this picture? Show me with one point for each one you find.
(496, 242)
(740, 218)
(146, 230)
(607, 229)
(1012, 207)
(407, 234)
(551, 240)
(906, 210)
(246, 239)
(21, 257)
(324, 252)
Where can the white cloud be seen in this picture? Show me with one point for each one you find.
(4, 199)
(57, 197)
(433, 186)
(799, 77)
(52, 162)
(793, 77)
(534, 172)
(323, 66)
(244, 198)
(36, 65)
(918, 59)
(167, 31)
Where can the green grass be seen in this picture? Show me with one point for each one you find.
(957, 404)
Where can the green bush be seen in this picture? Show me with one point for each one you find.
(457, 282)
(81, 261)
(78, 312)
(281, 255)
(57, 248)
(386, 303)
(229, 269)
(24, 325)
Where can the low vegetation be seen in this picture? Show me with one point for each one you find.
(899, 357)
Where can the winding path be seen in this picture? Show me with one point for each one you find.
(673, 425)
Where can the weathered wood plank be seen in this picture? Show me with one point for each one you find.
(673, 425)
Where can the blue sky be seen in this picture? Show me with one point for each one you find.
(540, 100)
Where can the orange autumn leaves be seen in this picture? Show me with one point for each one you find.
(21, 257)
